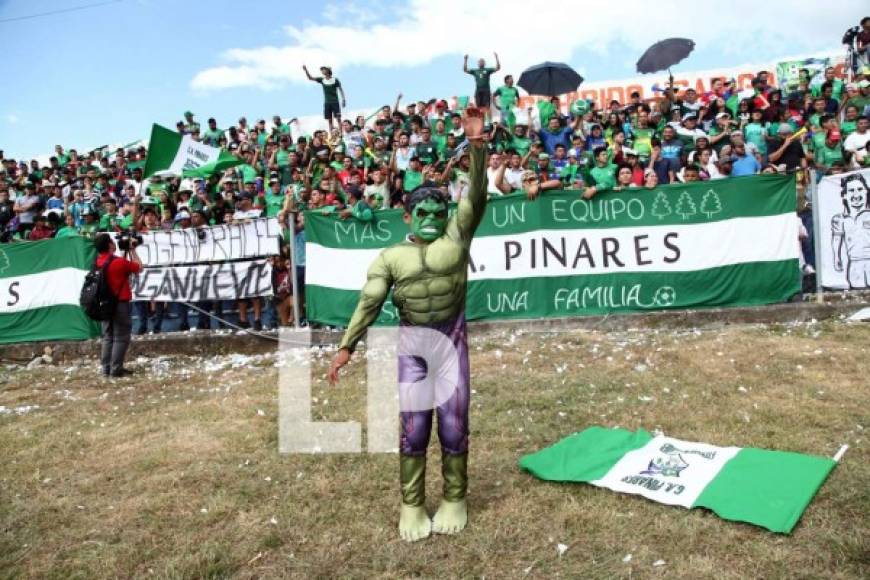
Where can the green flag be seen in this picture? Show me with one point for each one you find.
(40, 284)
(180, 154)
(766, 488)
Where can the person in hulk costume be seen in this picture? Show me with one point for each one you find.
(428, 273)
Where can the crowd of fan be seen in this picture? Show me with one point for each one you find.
(368, 164)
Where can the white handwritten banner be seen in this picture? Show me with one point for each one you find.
(219, 281)
(237, 241)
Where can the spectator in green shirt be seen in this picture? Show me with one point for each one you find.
(602, 176)
(413, 175)
(212, 135)
(830, 153)
(190, 126)
(331, 88)
(481, 74)
(110, 219)
(426, 151)
(508, 96)
(69, 229)
(520, 141)
(274, 199)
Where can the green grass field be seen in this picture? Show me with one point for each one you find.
(175, 473)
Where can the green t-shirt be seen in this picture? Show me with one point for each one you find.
(330, 89)
(89, 230)
(66, 232)
(362, 211)
(62, 160)
(282, 157)
(604, 178)
(643, 141)
(412, 179)
(212, 137)
(481, 77)
(507, 97)
(817, 143)
(545, 111)
(521, 145)
(108, 222)
(755, 133)
(440, 140)
(848, 127)
(126, 222)
(859, 101)
(248, 173)
(427, 152)
(837, 92)
(568, 173)
(826, 156)
(274, 203)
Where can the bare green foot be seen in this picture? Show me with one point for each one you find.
(451, 517)
(414, 523)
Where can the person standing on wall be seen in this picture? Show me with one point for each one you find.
(116, 331)
(331, 89)
(481, 74)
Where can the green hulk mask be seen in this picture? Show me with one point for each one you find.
(429, 219)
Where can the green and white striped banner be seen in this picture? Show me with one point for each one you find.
(717, 243)
(40, 284)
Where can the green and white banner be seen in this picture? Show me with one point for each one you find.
(766, 488)
(40, 284)
(178, 154)
(717, 243)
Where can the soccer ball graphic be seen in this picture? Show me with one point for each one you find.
(665, 296)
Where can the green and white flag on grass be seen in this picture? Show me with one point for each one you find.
(172, 152)
(766, 488)
(728, 242)
(40, 285)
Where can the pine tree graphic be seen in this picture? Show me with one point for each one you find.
(686, 206)
(710, 203)
(4, 261)
(661, 206)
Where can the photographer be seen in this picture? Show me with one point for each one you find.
(116, 332)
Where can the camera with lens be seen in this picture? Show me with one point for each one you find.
(850, 35)
(129, 240)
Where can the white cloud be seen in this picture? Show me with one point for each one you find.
(11, 118)
(523, 34)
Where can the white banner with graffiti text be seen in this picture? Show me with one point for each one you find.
(203, 282)
(236, 241)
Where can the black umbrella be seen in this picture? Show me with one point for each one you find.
(664, 54)
(550, 78)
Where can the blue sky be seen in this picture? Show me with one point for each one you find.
(103, 74)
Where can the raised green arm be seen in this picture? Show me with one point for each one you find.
(471, 208)
(371, 298)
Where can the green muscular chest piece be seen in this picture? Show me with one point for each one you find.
(430, 271)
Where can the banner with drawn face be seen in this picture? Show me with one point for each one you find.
(844, 230)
